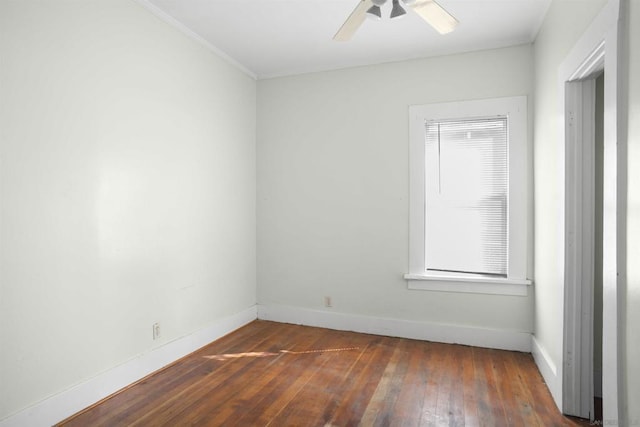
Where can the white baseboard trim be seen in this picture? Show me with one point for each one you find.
(548, 370)
(68, 402)
(454, 334)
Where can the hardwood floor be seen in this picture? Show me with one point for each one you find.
(276, 374)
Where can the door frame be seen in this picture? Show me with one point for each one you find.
(598, 49)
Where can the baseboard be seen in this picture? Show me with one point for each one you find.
(446, 333)
(68, 402)
(548, 371)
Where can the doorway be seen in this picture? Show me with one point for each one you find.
(598, 245)
(577, 79)
(583, 265)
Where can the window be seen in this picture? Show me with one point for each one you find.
(468, 196)
(466, 179)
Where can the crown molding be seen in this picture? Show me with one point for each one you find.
(164, 16)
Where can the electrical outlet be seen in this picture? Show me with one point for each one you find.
(327, 302)
(156, 331)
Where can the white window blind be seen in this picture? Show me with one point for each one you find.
(466, 177)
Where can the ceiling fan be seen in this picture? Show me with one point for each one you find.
(429, 10)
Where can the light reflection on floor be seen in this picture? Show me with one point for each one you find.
(271, 354)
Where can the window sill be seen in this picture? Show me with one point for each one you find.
(474, 284)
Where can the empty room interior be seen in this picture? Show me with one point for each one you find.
(281, 212)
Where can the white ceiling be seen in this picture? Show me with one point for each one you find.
(284, 37)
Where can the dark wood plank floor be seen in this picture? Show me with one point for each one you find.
(273, 374)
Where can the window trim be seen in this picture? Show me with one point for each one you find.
(516, 282)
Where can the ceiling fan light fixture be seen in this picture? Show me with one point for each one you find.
(397, 10)
(374, 13)
(429, 10)
(435, 15)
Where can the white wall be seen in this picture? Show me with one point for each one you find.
(127, 181)
(632, 359)
(333, 187)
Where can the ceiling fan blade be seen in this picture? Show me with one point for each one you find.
(435, 15)
(353, 22)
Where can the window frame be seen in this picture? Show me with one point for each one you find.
(516, 282)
